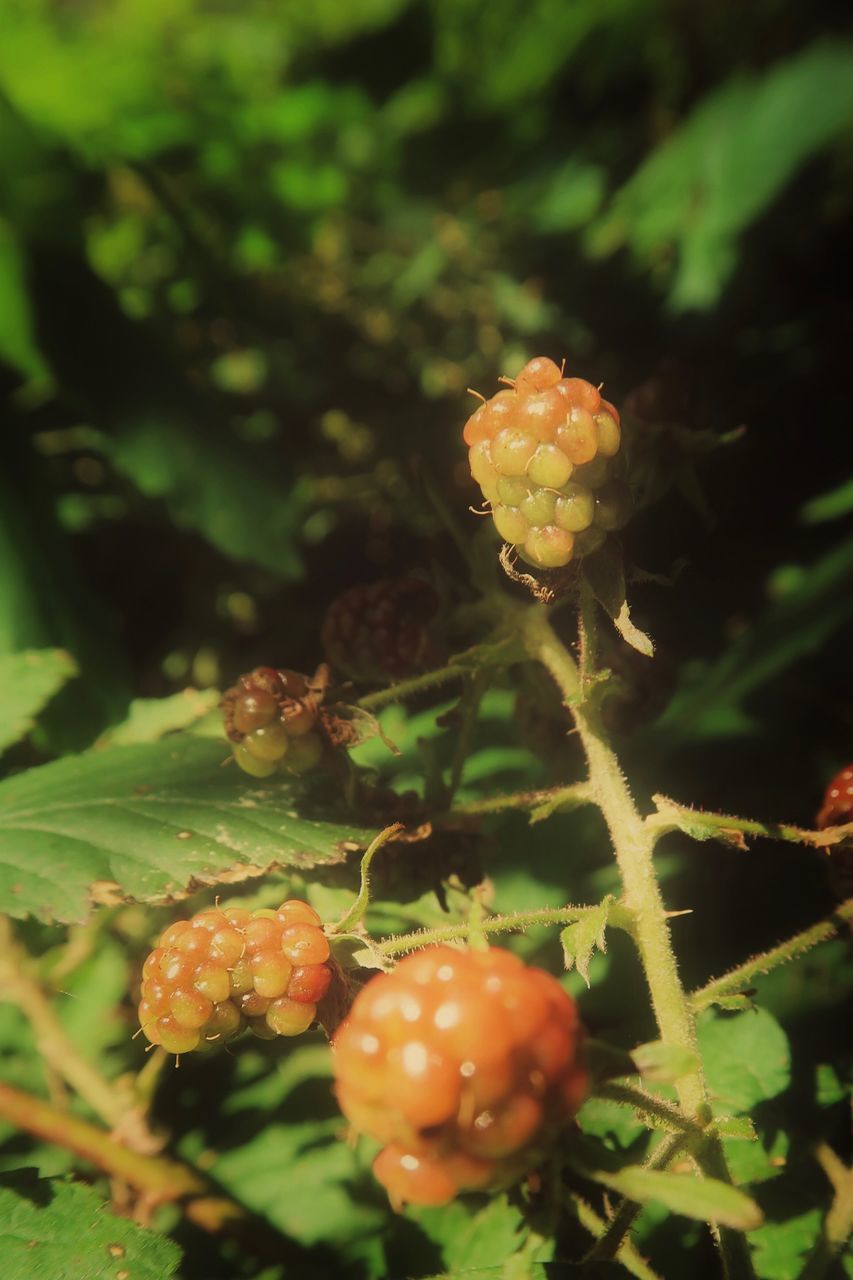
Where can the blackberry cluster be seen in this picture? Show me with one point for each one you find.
(463, 1065)
(542, 453)
(272, 718)
(225, 970)
(382, 631)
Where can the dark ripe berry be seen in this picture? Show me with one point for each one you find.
(224, 970)
(384, 630)
(464, 1065)
(263, 680)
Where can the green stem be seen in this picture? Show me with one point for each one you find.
(107, 1101)
(469, 708)
(626, 1253)
(540, 803)
(408, 688)
(740, 978)
(633, 845)
(655, 1112)
(672, 816)
(614, 1238)
(519, 920)
(159, 1178)
(358, 909)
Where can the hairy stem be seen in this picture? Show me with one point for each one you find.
(609, 1244)
(520, 920)
(633, 845)
(540, 804)
(740, 978)
(408, 688)
(655, 1112)
(626, 1253)
(358, 910)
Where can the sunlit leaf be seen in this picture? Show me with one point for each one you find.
(53, 1229)
(150, 822)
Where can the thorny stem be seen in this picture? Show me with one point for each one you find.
(540, 804)
(626, 1253)
(633, 845)
(657, 1111)
(161, 1180)
(520, 920)
(740, 978)
(609, 1244)
(671, 816)
(408, 688)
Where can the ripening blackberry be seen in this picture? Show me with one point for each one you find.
(542, 453)
(837, 809)
(272, 717)
(382, 631)
(229, 969)
(464, 1065)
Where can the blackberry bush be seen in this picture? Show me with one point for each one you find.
(382, 631)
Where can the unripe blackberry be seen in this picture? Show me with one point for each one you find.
(272, 717)
(224, 970)
(382, 631)
(464, 1065)
(540, 452)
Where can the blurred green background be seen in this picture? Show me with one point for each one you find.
(251, 257)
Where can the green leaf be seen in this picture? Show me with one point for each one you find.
(150, 822)
(779, 1249)
(705, 1199)
(663, 1062)
(605, 573)
(28, 681)
(833, 505)
(56, 1230)
(617, 1126)
(746, 1057)
(317, 1169)
(151, 718)
(580, 939)
(17, 342)
(235, 501)
(716, 174)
